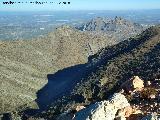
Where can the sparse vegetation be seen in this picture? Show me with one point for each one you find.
(126, 59)
(25, 64)
(147, 92)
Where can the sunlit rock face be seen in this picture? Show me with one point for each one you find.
(103, 110)
(135, 83)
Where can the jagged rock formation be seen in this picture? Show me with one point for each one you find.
(117, 29)
(103, 110)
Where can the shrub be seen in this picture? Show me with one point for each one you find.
(145, 94)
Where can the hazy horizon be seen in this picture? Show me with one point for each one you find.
(77, 10)
(78, 5)
(26, 25)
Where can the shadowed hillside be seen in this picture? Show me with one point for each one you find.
(113, 65)
(25, 64)
(140, 56)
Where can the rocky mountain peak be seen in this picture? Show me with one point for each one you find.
(106, 24)
(121, 20)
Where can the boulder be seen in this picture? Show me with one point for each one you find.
(134, 83)
(104, 110)
(78, 108)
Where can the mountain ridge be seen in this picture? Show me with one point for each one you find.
(24, 64)
(117, 28)
(130, 59)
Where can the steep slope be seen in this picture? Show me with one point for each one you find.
(111, 67)
(140, 56)
(24, 64)
(142, 103)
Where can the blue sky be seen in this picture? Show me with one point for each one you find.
(83, 5)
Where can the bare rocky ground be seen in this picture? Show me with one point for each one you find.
(143, 104)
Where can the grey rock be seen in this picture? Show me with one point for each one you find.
(103, 110)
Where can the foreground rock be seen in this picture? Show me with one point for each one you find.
(135, 83)
(103, 110)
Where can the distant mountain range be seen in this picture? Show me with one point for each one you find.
(106, 25)
(117, 28)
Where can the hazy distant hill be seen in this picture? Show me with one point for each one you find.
(117, 28)
(25, 64)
